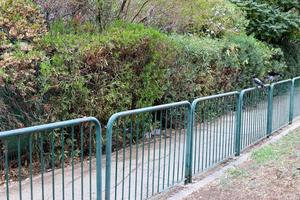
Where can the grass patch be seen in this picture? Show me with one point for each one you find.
(236, 172)
(266, 154)
(233, 173)
(276, 151)
(271, 173)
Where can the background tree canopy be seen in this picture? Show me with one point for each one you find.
(277, 23)
(272, 21)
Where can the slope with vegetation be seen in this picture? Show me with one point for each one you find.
(272, 172)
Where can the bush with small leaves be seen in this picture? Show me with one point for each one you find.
(21, 27)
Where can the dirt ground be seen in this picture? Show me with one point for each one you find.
(272, 173)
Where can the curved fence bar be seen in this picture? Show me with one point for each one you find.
(214, 123)
(151, 150)
(281, 94)
(52, 161)
(254, 114)
(296, 98)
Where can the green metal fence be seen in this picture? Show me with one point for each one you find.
(56, 161)
(281, 92)
(150, 150)
(214, 120)
(254, 109)
(147, 150)
(296, 98)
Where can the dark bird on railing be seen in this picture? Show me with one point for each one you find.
(259, 83)
(273, 76)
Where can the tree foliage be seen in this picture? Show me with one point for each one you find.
(272, 20)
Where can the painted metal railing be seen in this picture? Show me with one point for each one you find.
(295, 100)
(147, 150)
(254, 108)
(281, 98)
(150, 150)
(214, 120)
(221, 126)
(52, 161)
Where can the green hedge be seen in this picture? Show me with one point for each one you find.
(86, 73)
(99, 74)
(208, 66)
(21, 27)
(131, 66)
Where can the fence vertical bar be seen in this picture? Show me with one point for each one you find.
(238, 123)
(291, 111)
(108, 158)
(6, 169)
(270, 110)
(98, 160)
(189, 149)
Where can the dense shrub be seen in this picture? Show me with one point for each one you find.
(93, 74)
(129, 66)
(194, 73)
(21, 28)
(252, 58)
(207, 66)
(75, 71)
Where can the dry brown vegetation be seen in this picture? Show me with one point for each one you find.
(273, 173)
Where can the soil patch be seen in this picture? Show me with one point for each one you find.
(273, 172)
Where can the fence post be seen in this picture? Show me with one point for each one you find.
(292, 96)
(270, 110)
(98, 160)
(108, 156)
(189, 147)
(239, 110)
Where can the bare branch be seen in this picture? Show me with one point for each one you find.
(122, 8)
(127, 8)
(143, 19)
(140, 10)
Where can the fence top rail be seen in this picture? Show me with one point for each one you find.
(51, 126)
(213, 97)
(281, 82)
(253, 88)
(249, 90)
(296, 78)
(243, 92)
(115, 116)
